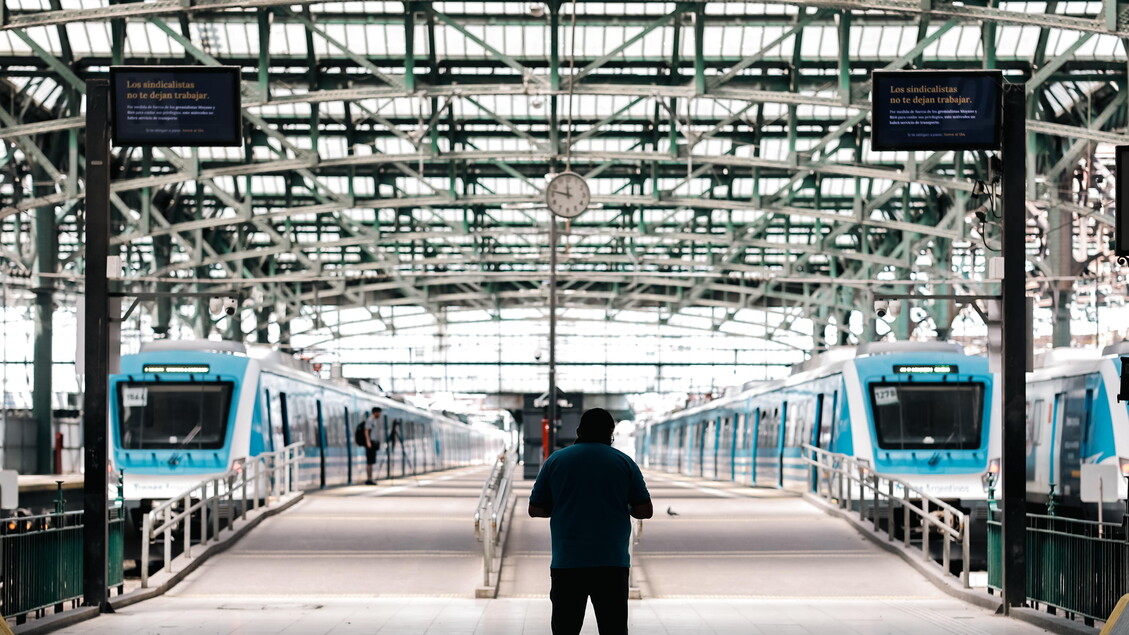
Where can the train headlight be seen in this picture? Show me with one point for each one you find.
(864, 466)
(1124, 467)
(994, 467)
(237, 465)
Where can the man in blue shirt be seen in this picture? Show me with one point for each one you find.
(589, 492)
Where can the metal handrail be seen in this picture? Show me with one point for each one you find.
(846, 480)
(636, 535)
(493, 504)
(266, 476)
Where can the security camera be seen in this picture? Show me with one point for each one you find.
(881, 307)
(223, 306)
(230, 306)
(537, 354)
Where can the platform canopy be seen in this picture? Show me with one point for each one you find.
(396, 156)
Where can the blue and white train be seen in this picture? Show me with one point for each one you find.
(1073, 420)
(923, 412)
(184, 411)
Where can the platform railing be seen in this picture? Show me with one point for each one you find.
(853, 485)
(258, 482)
(42, 559)
(1079, 567)
(490, 514)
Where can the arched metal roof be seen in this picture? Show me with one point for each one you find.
(396, 152)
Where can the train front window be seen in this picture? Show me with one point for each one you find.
(173, 415)
(928, 416)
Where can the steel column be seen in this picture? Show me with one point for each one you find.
(97, 349)
(46, 248)
(1014, 349)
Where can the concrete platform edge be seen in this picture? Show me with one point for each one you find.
(160, 583)
(947, 583)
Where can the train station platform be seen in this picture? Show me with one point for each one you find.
(401, 558)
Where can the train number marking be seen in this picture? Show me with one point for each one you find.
(885, 396)
(135, 397)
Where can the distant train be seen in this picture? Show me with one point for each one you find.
(923, 412)
(183, 411)
(1074, 419)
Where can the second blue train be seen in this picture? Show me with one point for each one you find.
(922, 412)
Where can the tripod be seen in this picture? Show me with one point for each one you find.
(394, 436)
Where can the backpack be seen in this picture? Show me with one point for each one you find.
(361, 435)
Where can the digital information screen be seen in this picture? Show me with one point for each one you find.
(936, 110)
(175, 106)
(934, 369)
(175, 368)
(1121, 190)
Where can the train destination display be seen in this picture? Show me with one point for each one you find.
(175, 106)
(936, 110)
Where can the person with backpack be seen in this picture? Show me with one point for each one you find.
(368, 432)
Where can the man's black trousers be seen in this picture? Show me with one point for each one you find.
(607, 586)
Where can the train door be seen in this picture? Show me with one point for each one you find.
(321, 442)
(274, 427)
(688, 444)
(734, 437)
(703, 429)
(720, 430)
(827, 425)
(816, 436)
(1070, 438)
(783, 425)
(285, 411)
(754, 442)
(349, 443)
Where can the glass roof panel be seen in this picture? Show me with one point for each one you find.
(287, 40)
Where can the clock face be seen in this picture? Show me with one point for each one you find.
(568, 195)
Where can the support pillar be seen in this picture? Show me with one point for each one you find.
(1014, 350)
(95, 531)
(262, 324)
(46, 248)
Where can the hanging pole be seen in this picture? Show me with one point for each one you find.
(552, 334)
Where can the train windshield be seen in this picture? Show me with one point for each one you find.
(928, 416)
(173, 415)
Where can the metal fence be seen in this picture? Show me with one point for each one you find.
(42, 559)
(216, 503)
(892, 505)
(1078, 566)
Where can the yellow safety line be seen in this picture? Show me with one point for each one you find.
(1118, 611)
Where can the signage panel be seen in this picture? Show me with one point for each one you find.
(936, 110)
(175, 106)
(1121, 173)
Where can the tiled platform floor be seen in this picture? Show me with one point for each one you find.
(401, 559)
(310, 615)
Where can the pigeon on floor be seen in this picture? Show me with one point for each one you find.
(671, 512)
